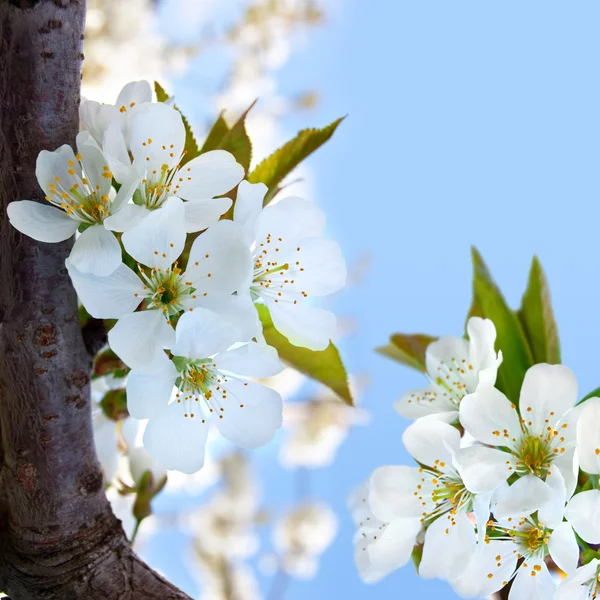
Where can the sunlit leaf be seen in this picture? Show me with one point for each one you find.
(275, 168)
(537, 317)
(237, 141)
(216, 134)
(325, 366)
(408, 349)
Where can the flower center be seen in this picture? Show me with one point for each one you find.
(457, 377)
(532, 539)
(534, 455)
(160, 185)
(167, 290)
(78, 198)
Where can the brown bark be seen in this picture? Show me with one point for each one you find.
(58, 536)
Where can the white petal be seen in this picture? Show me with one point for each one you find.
(547, 393)
(482, 355)
(303, 325)
(248, 206)
(577, 585)
(391, 492)
(40, 222)
(239, 310)
(316, 266)
(393, 548)
(251, 360)
(252, 415)
(200, 214)
(126, 191)
(563, 548)
(552, 513)
(115, 150)
(110, 297)
(135, 92)
(448, 350)
(532, 584)
(291, 219)
(148, 394)
(158, 240)
(588, 436)
(450, 543)
(219, 260)
(483, 469)
(202, 333)
(431, 443)
(96, 251)
(157, 136)
(126, 218)
(420, 403)
(94, 163)
(486, 414)
(210, 174)
(583, 514)
(138, 339)
(522, 498)
(175, 441)
(52, 170)
(140, 462)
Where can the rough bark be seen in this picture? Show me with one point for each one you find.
(58, 536)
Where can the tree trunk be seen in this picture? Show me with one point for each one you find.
(58, 537)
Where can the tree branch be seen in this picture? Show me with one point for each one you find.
(58, 536)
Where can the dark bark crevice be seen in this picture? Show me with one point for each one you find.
(58, 536)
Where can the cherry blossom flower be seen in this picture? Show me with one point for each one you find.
(211, 381)
(404, 500)
(582, 584)
(218, 265)
(156, 142)
(588, 436)
(531, 443)
(78, 189)
(455, 367)
(96, 117)
(292, 262)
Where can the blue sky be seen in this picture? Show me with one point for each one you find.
(469, 123)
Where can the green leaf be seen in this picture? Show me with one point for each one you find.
(325, 366)
(275, 168)
(407, 349)
(190, 148)
(216, 134)
(537, 317)
(593, 394)
(489, 303)
(237, 142)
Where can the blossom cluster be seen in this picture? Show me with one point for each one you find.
(164, 255)
(501, 492)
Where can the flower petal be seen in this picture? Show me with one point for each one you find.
(577, 585)
(158, 240)
(135, 92)
(490, 417)
(303, 325)
(175, 441)
(583, 514)
(52, 170)
(450, 542)
(157, 136)
(533, 582)
(420, 403)
(110, 297)
(392, 548)
(483, 469)
(588, 436)
(523, 497)
(40, 222)
(563, 548)
(211, 174)
(252, 413)
(547, 394)
(391, 492)
(95, 165)
(552, 513)
(138, 339)
(126, 218)
(248, 206)
(148, 394)
(291, 219)
(96, 251)
(251, 360)
(219, 260)
(432, 443)
(200, 214)
(203, 333)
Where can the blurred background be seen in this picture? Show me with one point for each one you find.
(468, 123)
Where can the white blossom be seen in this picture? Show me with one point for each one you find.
(292, 262)
(582, 584)
(455, 367)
